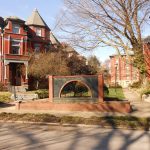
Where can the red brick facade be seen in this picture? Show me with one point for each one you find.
(146, 48)
(17, 39)
(114, 106)
(122, 70)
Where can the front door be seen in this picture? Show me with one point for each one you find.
(15, 74)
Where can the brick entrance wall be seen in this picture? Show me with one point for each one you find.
(93, 82)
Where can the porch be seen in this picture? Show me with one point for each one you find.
(15, 74)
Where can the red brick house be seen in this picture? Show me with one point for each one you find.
(122, 70)
(146, 48)
(17, 39)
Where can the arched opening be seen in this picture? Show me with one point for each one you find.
(74, 89)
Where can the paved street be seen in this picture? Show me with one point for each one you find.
(15, 136)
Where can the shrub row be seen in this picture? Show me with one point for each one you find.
(42, 93)
(5, 97)
(136, 84)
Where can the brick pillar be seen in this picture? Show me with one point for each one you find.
(100, 88)
(51, 88)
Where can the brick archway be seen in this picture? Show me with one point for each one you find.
(93, 82)
(75, 81)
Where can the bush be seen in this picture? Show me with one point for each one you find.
(2, 87)
(5, 97)
(136, 84)
(42, 93)
(146, 92)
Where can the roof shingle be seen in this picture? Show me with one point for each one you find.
(36, 19)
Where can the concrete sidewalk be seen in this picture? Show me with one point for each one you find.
(140, 108)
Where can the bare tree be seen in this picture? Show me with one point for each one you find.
(114, 23)
(43, 64)
(95, 63)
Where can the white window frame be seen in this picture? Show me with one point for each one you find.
(16, 26)
(15, 45)
(38, 31)
(37, 48)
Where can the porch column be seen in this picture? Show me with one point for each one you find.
(26, 70)
(6, 71)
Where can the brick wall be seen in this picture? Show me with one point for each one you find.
(122, 107)
(146, 48)
(122, 70)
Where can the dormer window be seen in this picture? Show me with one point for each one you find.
(38, 32)
(16, 28)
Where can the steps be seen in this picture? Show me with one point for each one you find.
(13, 89)
(24, 96)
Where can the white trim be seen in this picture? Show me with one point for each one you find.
(16, 61)
(26, 72)
(5, 75)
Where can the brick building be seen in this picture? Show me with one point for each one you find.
(17, 39)
(146, 48)
(122, 70)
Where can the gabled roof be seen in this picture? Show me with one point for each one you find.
(53, 39)
(14, 18)
(67, 48)
(36, 19)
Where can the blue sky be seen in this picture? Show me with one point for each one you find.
(49, 10)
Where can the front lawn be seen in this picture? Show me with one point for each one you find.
(115, 93)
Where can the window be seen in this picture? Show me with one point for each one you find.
(37, 48)
(15, 47)
(47, 35)
(47, 48)
(16, 28)
(38, 32)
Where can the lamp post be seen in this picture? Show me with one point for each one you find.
(116, 65)
(2, 25)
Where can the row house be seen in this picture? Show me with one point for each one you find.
(18, 38)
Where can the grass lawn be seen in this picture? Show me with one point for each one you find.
(127, 122)
(115, 93)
